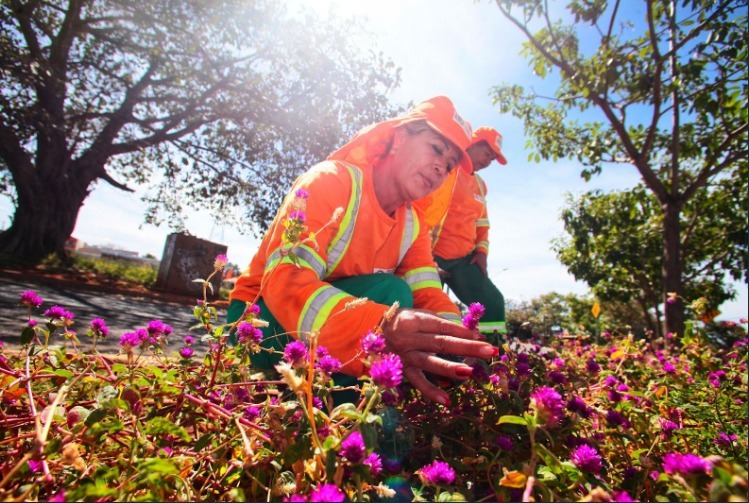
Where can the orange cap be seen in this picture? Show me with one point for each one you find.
(439, 113)
(493, 138)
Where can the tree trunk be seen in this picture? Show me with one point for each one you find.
(672, 268)
(43, 221)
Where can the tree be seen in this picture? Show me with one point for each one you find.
(208, 103)
(664, 90)
(613, 242)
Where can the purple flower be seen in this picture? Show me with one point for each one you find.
(297, 215)
(476, 310)
(668, 428)
(57, 312)
(686, 464)
(592, 366)
(586, 458)
(59, 497)
(387, 372)
(35, 466)
(301, 194)
(220, 261)
(557, 377)
(578, 406)
(189, 340)
(98, 326)
(470, 322)
(372, 343)
(610, 381)
(715, 378)
(327, 492)
(32, 323)
(669, 368)
(374, 462)
(329, 365)
(130, 340)
(252, 413)
(353, 448)
(614, 396)
(523, 369)
(248, 333)
(186, 352)
(621, 496)
(548, 404)
(437, 473)
(31, 299)
(725, 440)
(504, 442)
(157, 328)
(296, 353)
(615, 418)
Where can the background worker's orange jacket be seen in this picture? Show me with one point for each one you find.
(364, 240)
(464, 226)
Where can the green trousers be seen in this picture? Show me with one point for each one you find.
(469, 285)
(381, 288)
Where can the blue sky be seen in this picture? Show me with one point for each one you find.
(460, 49)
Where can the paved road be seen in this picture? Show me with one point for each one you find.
(120, 312)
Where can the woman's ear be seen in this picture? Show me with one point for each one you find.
(399, 137)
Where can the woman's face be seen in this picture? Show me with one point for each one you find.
(422, 161)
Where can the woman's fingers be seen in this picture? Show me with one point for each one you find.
(435, 365)
(428, 390)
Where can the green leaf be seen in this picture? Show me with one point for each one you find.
(510, 419)
(27, 334)
(203, 442)
(95, 416)
(163, 426)
(64, 373)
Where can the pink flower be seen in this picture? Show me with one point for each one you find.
(437, 473)
(374, 462)
(31, 299)
(296, 353)
(373, 344)
(686, 464)
(548, 405)
(327, 492)
(98, 327)
(387, 372)
(248, 333)
(586, 458)
(301, 194)
(220, 261)
(353, 448)
(186, 352)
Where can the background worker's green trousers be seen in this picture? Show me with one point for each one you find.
(469, 285)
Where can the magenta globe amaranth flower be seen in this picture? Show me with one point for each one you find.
(186, 352)
(387, 372)
(30, 298)
(327, 492)
(686, 464)
(374, 462)
(99, 327)
(373, 343)
(548, 405)
(248, 333)
(437, 473)
(668, 427)
(220, 261)
(329, 365)
(586, 458)
(353, 448)
(296, 353)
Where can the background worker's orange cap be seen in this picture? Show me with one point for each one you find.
(439, 113)
(493, 138)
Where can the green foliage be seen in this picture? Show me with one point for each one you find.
(655, 84)
(207, 104)
(106, 268)
(79, 425)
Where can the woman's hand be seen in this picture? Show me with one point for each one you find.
(417, 337)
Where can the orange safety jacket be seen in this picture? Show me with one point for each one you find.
(464, 228)
(364, 240)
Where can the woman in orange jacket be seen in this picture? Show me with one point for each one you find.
(375, 250)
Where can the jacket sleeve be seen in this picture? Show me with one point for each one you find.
(482, 223)
(292, 286)
(420, 272)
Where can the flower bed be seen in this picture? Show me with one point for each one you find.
(566, 420)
